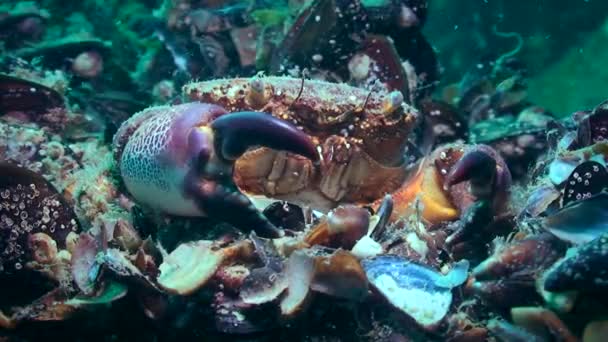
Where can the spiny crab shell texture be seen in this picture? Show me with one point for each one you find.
(361, 136)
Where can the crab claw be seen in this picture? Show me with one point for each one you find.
(482, 167)
(230, 206)
(179, 159)
(237, 132)
(472, 166)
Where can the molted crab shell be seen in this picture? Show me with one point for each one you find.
(361, 137)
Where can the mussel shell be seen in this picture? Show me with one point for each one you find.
(388, 68)
(57, 53)
(17, 94)
(29, 204)
(503, 127)
(593, 127)
(285, 215)
(443, 121)
(7, 22)
(585, 270)
(17, 28)
(587, 179)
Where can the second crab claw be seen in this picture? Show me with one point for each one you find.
(451, 180)
(477, 167)
(179, 159)
(487, 173)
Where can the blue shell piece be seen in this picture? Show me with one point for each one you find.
(421, 292)
(413, 275)
(406, 273)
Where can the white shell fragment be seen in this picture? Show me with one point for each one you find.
(367, 247)
(300, 272)
(189, 267)
(420, 292)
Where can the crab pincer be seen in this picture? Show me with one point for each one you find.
(179, 159)
(486, 171)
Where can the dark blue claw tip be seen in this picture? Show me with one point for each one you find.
(237, 132)
(473, 165)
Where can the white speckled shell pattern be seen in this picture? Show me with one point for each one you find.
(152, 151)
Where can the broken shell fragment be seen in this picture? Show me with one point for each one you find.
(420, 292)
(85, 266)
(49, 307)
(231, 277)
(263, 285)
(300, 272)
(367, 247)
(116, 261)
(125, 236)
(344, 226)
(236, 318)
(189, 267)
(339, 275)
(111, 292)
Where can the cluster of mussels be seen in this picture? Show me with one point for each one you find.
(335, 200)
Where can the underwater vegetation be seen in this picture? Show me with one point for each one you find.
(290, 170)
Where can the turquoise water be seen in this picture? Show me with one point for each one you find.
(303, 170)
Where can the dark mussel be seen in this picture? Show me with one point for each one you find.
(30, 205)
(36, 224)
(592, 125)
(587, 179)
(520, 139)
(443, 123)
(19, 95)
(334, 36)
(23, 26)
(84, 57)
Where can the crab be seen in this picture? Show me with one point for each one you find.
(360, 135)
(322, 145)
